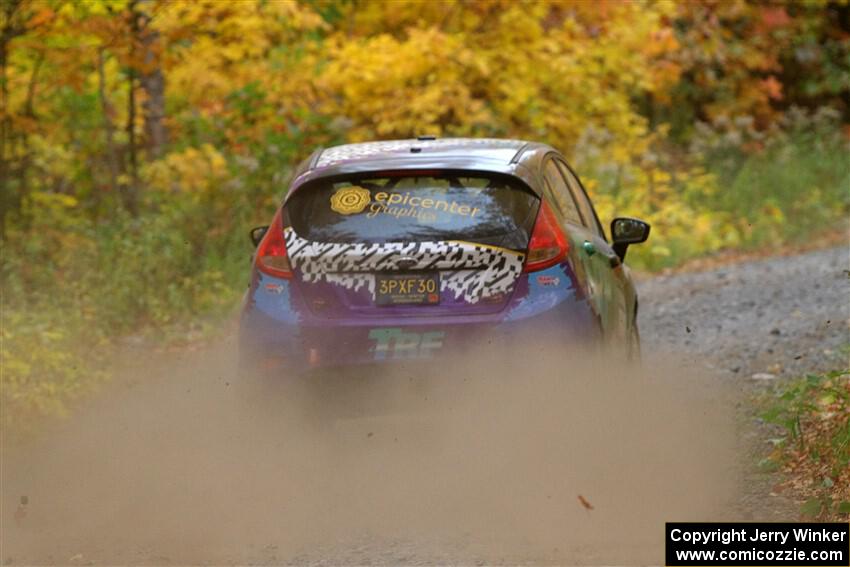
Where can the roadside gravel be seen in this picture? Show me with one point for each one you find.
(781, 316)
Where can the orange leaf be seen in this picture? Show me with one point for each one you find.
(772, 87)
(587, 505)
(41, 17)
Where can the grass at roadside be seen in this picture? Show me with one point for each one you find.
(813, 450)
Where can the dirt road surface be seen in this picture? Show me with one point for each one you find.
(179, 462)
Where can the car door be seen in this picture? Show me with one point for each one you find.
(607, 267)
(586, 265)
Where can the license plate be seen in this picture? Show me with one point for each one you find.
(407, 289)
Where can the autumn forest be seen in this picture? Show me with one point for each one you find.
(141, 139)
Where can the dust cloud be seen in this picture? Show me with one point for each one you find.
(474, 461)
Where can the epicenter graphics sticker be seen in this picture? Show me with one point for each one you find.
(350, 200)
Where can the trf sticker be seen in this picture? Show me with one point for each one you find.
(394, 344)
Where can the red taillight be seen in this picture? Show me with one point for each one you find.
(271, 253)
(548, 244)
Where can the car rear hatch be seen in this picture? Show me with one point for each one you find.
(409, 244)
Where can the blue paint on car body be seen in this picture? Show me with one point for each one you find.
(542, 297)
(276, 303)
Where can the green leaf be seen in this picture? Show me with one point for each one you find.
(812, 507)
(843, 507)
(768, 465)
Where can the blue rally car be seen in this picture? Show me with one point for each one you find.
(419, 248)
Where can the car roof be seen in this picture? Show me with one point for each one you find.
(491, 155)
(486, 148)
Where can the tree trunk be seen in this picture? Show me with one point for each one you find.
(131, 192)
(9, 202)
(152, 82)
(111, 152)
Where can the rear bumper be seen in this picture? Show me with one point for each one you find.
(277, 331)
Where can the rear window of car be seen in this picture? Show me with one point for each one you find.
(415, 208)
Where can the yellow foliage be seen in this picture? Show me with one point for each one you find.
(194, 170)
(369, 73)
(538, 70)
(234, 44)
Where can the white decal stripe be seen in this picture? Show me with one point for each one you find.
(475, 271)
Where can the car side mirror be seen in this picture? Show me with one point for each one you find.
(625, 231)
(257, 234)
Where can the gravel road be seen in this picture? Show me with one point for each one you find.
(782, 316)
(173, 464)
